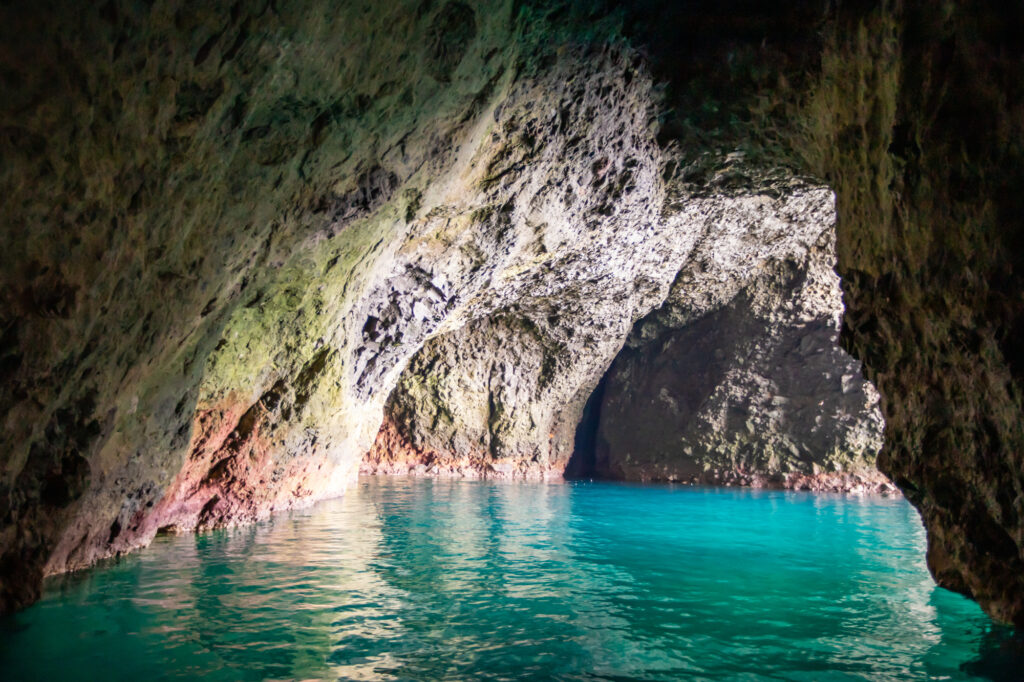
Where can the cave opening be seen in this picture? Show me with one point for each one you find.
(583, 462)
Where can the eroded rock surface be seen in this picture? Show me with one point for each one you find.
(231, 230)
(205, 209)
(744, 285)
(932, 264)
(755, 392)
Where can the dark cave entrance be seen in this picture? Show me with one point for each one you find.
(583, 463)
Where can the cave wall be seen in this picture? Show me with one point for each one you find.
(755, 392)
(227, 229)
(913, 112)
(928, 165)
(754, 304)
(227, 226)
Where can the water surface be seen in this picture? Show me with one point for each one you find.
(427, 579)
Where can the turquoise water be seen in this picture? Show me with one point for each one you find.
(428, 579)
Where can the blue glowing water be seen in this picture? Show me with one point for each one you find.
(429, 579)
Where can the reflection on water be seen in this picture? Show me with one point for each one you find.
(422, 579)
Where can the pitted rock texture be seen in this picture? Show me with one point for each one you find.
(753, 288)
(933, 272)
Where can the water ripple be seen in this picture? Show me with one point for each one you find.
(420, 579)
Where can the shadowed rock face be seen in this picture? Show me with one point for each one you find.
(755, 393)
(933, 282)
(237, 234)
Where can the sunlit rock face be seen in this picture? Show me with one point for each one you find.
(204, 207)
(734, 376)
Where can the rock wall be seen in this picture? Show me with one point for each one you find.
(753, 287)
(756, 392)
(203, 208)
(914, 113)
(229, 229)
(930, 252)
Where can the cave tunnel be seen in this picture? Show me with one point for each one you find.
(407, 297)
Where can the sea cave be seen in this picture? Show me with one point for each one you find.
(511, 339)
